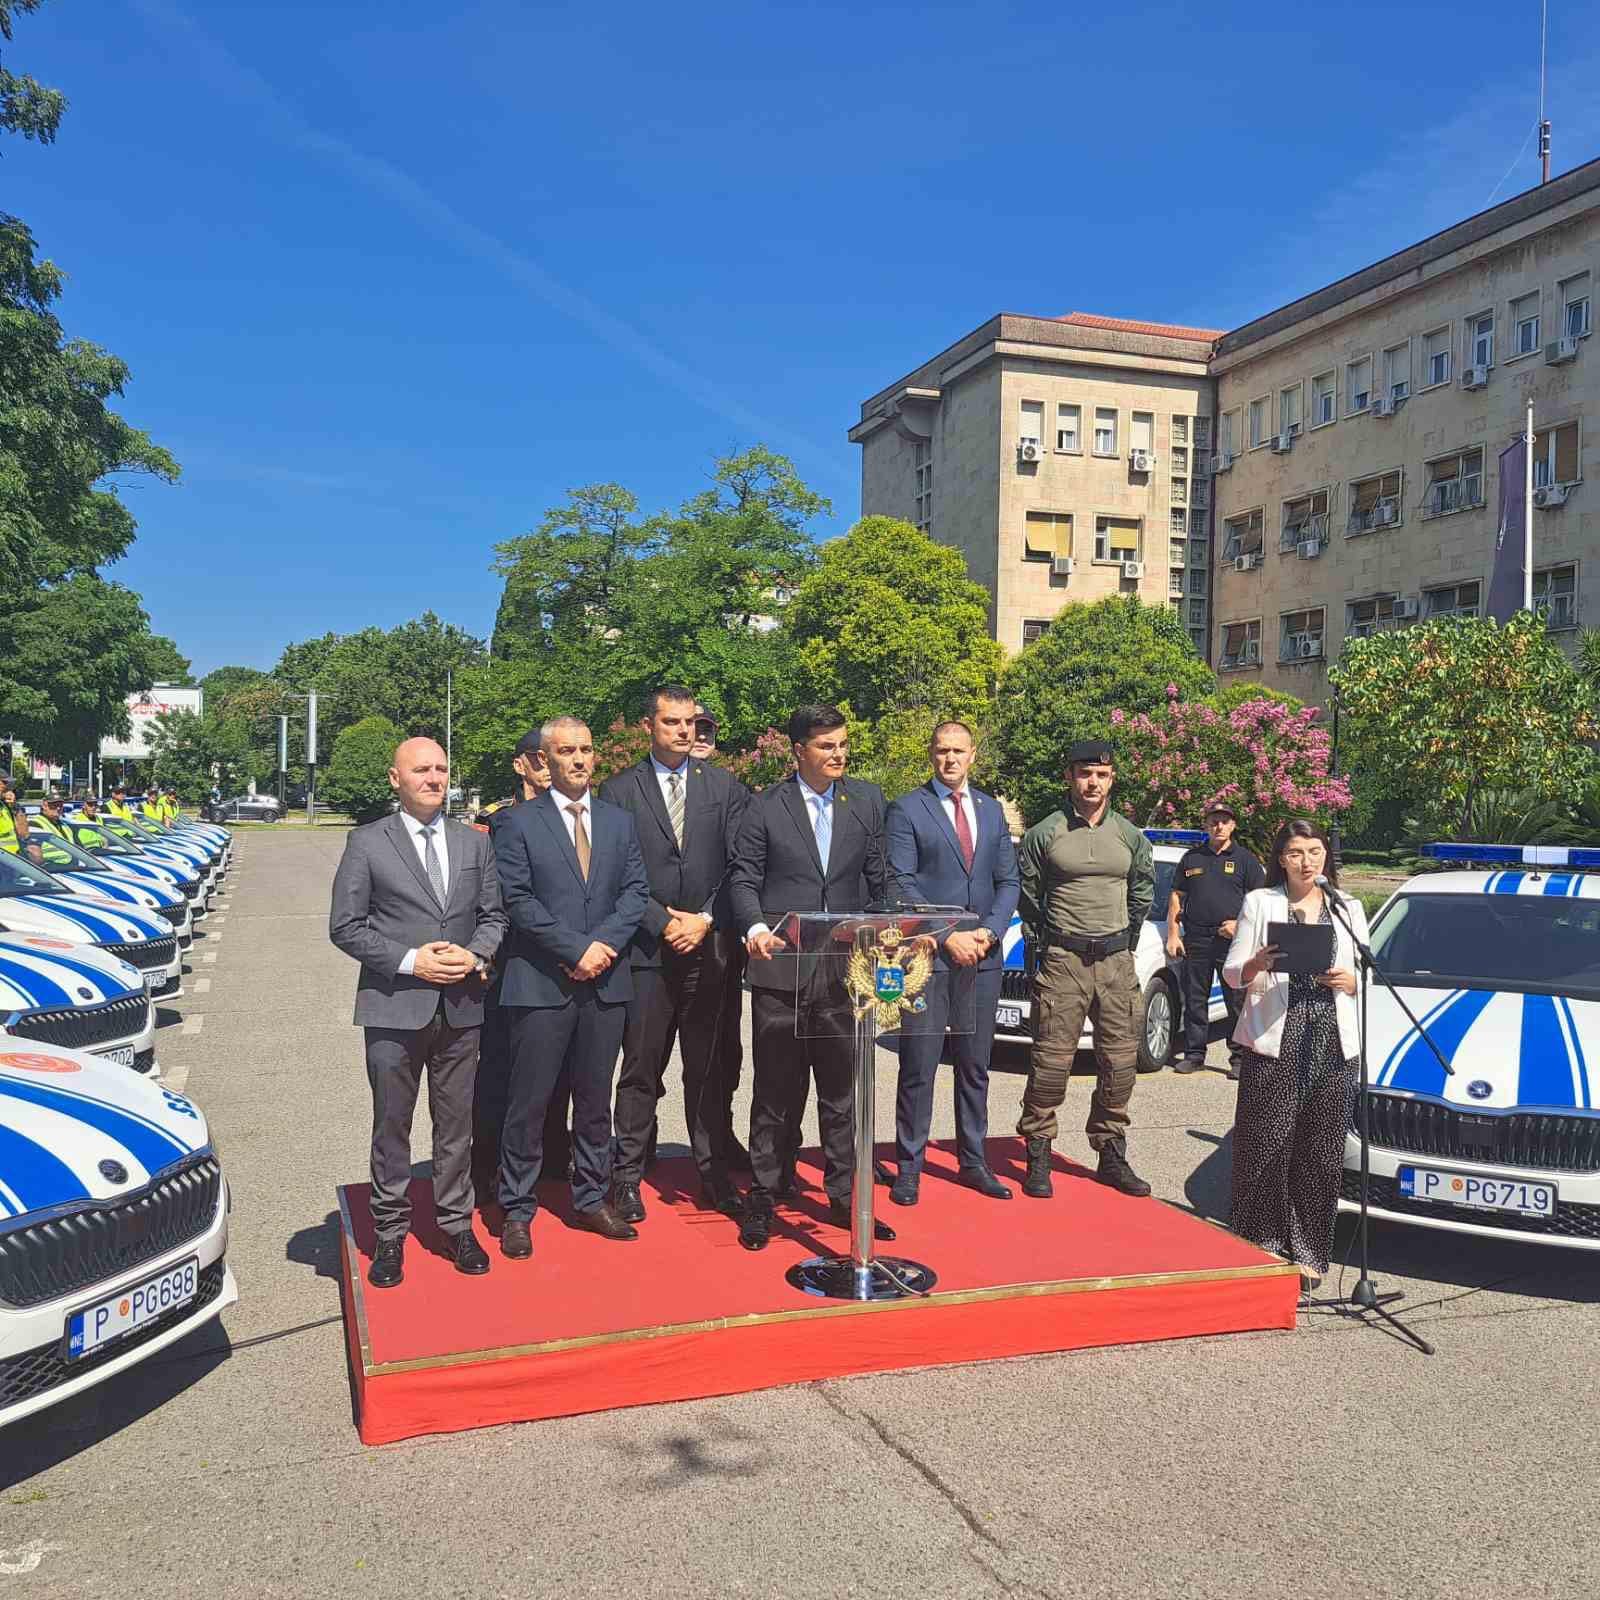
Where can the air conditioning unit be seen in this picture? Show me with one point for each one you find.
(1249, 652)
(1061, 566)
(1246, 563)
(1027, 449)
(1133, 569)
(1140, 460)
(1308, 549)
(1310, 647)
(1384, 513)
(1407, 608)
(1550, 496)
(1222, 461)
(1474, 377)
(1559, 351)
(1382, 406)
(1282, 443)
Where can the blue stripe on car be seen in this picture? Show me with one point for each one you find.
(107, 932)
(151, 1146)
(108, 982)
(1545, 1076)
(1575, 1045)
(1417, 1069)
(1559, 883)
(1410, 1034)
(44, 989)
(34, 1175)
(1509, 883)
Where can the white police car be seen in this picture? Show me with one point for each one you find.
(73, 995)
(113, 1224)
(129, 860)
(31, 901)
(1160, 981)
(1500, 961)
(89, 876)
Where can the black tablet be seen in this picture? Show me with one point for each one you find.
(1304, 947)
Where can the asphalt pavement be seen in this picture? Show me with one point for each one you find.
(1330, 1460)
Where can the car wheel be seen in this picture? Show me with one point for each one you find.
(1157, 1018)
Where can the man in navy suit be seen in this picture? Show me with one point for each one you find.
(949, 845)
(575, 891)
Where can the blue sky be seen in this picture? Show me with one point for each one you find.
(392, 277)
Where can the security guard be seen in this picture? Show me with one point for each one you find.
(170, 810)
(49, 818)
(91, 838)
(152, 808)
(13, 820)
(117, 806)
(1087, 883)
(1207, 891)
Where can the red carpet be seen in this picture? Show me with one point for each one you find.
(684, 1312)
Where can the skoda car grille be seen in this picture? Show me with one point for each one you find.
(149, 953)
(84, 1027)
(1549, 1141)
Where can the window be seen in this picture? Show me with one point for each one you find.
(1575, 307)
(1300, 634)
(1048, 535)
(1202, 433)
(1228, 433)
(1436, 357)
(1033, 631)
(1141, 431)
(1116, 538)
(1454, 600)
(1180, 430)
(1289, 420)
(1525, 323)
(1069, 426)
(1455, 483)
(1358, 386)
(1180, 461)
(1175, 583)
(1197, 616)
(1374, 503)
(1258, 422)
(1032, 424)
(1197, 552)
(1555, 455)
(1180, 520)
(1199, 492)
(1376, 614)
(1105, 430)
(1241, 645)
(1323, 403)
(1197, 637)
(1176, 552)
(1480, 336)
(922, 462)
(1555, 594)
(1397, 371)
(1243, 536)
(1180, 491)
(1197, 581)
(1304, 519)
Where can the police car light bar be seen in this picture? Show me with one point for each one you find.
(1516, 855)
(1186, 836)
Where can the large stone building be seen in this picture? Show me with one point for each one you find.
(1350, 442)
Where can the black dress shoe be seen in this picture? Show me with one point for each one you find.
(881, 1174)
(906, 1190)
(627, 1202)
(985, 1182)
(516, 1240)
(1115, 1172)
(604, 1221)
(722, 1197)
(388, 1264)
(469, 1256)
(839, 1216)
(755, 1230)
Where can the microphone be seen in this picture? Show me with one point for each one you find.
(1321, 881)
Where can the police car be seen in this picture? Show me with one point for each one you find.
(31, 901)
(91, 877)
(1499, 958)
(73, 995)
(113, 1224)
(1160, 1015)
(129, 860)
(189, 860)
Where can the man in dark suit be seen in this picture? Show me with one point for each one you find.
(949, 845)
(687, 815)
(811, 843)
(416, 901)
(575, 891)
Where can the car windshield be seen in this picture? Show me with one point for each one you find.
(22, 877)
(58, 854)
(104, 840)
(1515, 941)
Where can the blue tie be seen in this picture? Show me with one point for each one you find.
(823, 827)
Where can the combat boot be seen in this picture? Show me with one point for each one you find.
(1037, 1184)
(1117, 1174)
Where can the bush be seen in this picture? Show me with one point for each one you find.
(357, 777)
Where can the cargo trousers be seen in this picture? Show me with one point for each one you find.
(1068, 987)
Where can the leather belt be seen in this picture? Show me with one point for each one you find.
(1090, 949)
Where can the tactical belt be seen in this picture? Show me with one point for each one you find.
(1090, 949)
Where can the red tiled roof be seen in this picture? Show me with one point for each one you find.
(1167, 330)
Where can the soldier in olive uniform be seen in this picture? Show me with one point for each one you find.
(1087, 885)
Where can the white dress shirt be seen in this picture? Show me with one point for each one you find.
(816, 800)
(947, 800)
(585, 805)
(416, 831)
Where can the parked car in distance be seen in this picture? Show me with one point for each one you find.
(243, 808)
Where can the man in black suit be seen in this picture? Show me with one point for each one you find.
(687, 814)
(575, 891)
(416, 901)
(811, 843)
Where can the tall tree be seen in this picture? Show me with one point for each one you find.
(27, 107)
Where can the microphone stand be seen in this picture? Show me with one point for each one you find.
(1364, 1301)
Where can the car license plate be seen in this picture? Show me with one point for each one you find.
(1008, 1016)
(122, 1056)
(1482, 1194)
(95, 1326)
(150, 982)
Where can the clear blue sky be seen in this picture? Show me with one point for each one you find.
(392, 277)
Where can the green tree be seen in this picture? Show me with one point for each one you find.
(890, 622)
(27, 107)
(1116, 654)
(356, 779)
(192, 751)
(1443, 710)
(221, 684)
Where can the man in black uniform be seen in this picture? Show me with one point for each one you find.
(1207, 891)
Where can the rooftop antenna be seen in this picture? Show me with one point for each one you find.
(1544, 121)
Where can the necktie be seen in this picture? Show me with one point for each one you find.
(430, 862)
(580, 839)
(675, 805)
(822, 826)
(963, 829)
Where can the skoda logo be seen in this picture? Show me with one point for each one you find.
(1480, 1088)
(85, 994)
(113, 1172)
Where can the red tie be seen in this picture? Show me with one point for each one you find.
(963, 830)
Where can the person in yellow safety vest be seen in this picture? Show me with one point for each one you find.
(8, 827)
(49, 818)
(169, 806)
(90, 838)
(151, 807)
(118, 805)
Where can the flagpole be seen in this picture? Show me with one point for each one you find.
(1527, 513)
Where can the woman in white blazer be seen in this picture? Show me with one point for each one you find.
(1299, 1045)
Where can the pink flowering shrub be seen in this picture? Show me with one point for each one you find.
(1268, 760)
(771, 761)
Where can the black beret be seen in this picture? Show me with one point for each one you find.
(1095, 751)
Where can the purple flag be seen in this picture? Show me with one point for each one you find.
(1505, 581)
